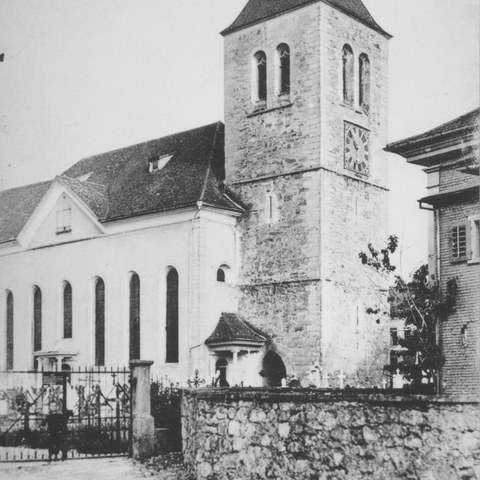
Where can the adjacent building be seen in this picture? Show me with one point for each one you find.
(229, 248)
(450, 155)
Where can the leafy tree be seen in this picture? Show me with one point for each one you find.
(422, 307)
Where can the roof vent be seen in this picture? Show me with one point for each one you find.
(157, 162)
(84, 178)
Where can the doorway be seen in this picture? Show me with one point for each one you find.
(273, 370)
(221, 373)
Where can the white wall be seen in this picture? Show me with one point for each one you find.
(146, 246)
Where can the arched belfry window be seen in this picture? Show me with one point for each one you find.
(259, 77)
(172, 317)
(100, 322)
(9, 332)
(347, 74)
(134, 317)
(67, 310)
(283, 69)
(37, 319)
(364, 82)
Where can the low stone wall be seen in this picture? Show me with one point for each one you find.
(281, 434)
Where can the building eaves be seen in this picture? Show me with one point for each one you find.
(467, 190)
(230, 330)
(457, 128)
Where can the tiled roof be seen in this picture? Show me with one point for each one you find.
(231, 329)
(259, 10)
(16, 206)
(468, 122)
(119, 184)
(94, 195)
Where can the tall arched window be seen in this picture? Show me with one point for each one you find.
(134, 317)
(364, 82)
(260, 77)
(347, 74)
(283, 69)
(37, 319)
(172, 316)
(100, 323)
(9, 359)
(67, 310)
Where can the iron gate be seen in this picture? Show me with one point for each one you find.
(93, 407)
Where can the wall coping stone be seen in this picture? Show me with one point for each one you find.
(310, 395)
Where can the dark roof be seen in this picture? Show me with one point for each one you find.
(94, 195)
(231, 329)
(259, 10)
(120, 185)
(467, 123)
(16, 206)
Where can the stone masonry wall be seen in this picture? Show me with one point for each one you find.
(258, 434)
(354, 207)
(277, 150)
(301, 281)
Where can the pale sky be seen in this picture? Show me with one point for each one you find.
(82, 77)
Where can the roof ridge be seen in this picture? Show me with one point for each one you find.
(144, 142)
(367, 19)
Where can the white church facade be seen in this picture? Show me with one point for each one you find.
(228, 248)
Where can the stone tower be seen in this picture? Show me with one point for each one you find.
(306, 123)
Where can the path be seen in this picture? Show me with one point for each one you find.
(120, 468)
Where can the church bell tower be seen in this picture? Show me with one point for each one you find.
(305, 126)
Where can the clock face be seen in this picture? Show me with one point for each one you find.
(356, 148)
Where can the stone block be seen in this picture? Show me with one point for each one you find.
(233, 428)
(284, 430)
(143, 436)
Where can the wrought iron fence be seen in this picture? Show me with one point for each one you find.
(93, 404)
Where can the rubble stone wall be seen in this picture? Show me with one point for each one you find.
(285, 434)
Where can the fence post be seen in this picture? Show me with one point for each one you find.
(143, 435)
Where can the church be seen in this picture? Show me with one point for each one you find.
(232, 248)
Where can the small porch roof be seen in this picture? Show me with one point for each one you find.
(232, 331)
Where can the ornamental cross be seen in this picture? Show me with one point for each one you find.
(341, 379)
(196, 381)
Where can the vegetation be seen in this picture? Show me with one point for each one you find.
(421, 304)
(166, 411)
